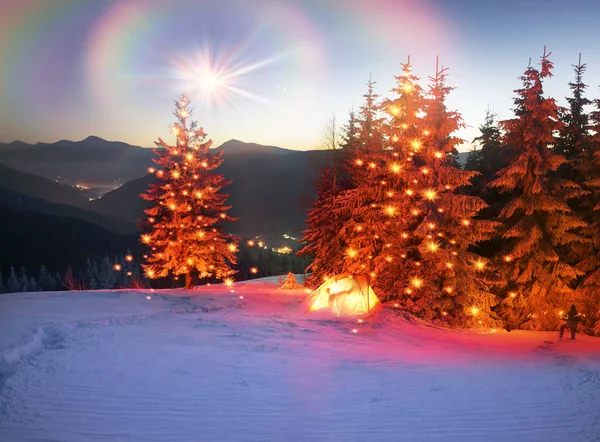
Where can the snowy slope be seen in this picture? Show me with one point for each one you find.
(208, 365)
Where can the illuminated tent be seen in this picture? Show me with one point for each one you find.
(345, 295)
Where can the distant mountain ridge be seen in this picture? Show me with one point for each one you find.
(99, 163)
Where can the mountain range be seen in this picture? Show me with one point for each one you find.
(94, 185)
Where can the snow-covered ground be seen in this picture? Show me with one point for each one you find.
(207, 365)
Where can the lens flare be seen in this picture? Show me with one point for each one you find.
(219, 79)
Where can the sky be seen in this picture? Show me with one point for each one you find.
(268, 71)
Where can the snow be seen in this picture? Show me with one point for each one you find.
(207, 365)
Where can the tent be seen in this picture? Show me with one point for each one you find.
(345, 295)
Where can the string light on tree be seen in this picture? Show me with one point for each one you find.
(180, 243)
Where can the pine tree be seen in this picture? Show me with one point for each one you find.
(323, 241)
(23, 280)
(90, 275)
(586, 167)
(13, 285)
(45, 280)
(324, 222)
(440, 275)
(574, 133)
(534, 283)
(107, 279)
(356, 205)
(489, 158)
(33, 285)
(188, 208)
(2, 288)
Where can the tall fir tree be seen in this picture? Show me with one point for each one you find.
(587, 169)
(441, 277)
(361, 203)
(375, 207)
(188, 208)
(322, 237)
(533, 282)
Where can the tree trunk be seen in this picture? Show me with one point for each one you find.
(189, 282)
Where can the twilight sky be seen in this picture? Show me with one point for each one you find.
(267, 71)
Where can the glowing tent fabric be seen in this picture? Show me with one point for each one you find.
(345, 295)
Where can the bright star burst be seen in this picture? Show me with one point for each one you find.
(218, 79)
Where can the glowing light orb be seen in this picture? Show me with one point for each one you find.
(433, 246)
(430, 194)
(417, 282)
(228, 282)
(218, 78)
(479, 264)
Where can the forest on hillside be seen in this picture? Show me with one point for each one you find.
(512, 239)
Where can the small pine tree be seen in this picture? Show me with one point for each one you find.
(33, 285)
(534, 282)
(23, 280)
(45, 280)
(107, 279)
(489, 158)
(2, 288)
(89, 275)
(13, 285)
(188, 209)
(574, 134)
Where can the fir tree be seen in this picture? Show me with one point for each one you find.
(33, 285)
(587, 255)
(534, 283)
(107, 279)
(13, 285)
(2, 288)
(356, 205)
(90, 275)
(23, 280)
(489, 158)
(188, 208)
(574, 134)
(322, 236)
(45, 280)
(324, 244)
(440, 275)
